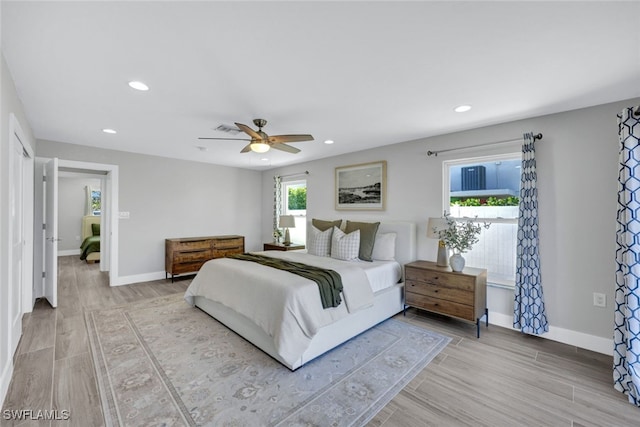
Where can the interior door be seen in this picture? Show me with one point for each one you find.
(51, 233)
(17, 241)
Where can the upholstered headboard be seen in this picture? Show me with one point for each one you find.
(87, 220)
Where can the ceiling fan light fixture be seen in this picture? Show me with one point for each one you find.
(259, 147)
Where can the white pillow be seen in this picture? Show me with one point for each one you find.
(320, 242)
(384, 248)
(345, 246)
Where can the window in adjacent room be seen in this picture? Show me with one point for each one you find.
(487, 188)
(96, 202)
(294, 199)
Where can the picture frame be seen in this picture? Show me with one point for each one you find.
(361, 187)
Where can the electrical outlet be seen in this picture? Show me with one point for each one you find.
(599, 300)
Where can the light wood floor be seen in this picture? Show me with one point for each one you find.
(503, 379)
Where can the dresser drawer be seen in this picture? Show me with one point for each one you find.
(191, 256)
(233, 243)
(441, 306)
(221, 253)
(435, 290)
(187, 267)
(191, 245)
(450, 280)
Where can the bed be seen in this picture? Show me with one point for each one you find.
(90, 247)
(258, 302)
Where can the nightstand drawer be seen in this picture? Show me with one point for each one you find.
(451, 280)
(441, 306)
(435, 290)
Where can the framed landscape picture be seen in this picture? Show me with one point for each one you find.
(361, 187)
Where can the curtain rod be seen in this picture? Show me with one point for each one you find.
(435, 153)
(292, 174)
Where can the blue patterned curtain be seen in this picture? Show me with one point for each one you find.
(626, 334)
(528, 314)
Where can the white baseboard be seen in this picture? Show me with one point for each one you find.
(5, 379)
(69, 252)
(566, 336)
(139, 278)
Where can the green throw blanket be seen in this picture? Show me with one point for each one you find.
(90, 244)
(329, 282)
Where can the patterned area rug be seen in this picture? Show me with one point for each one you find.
(162, 362)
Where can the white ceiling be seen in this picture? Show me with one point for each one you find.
(364, 74)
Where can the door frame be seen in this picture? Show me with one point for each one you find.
(109, 247)
(15, 131)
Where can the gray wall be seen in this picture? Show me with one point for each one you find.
(577, 173)
(169, 198)
(71, 205)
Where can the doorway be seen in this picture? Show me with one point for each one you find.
(47, 242)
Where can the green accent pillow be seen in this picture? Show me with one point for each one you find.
(368, 232)
(323, 225)
(95, 229)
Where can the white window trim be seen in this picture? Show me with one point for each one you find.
(446, 173)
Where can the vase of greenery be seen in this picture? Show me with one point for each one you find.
(460, 236)
(277, 235)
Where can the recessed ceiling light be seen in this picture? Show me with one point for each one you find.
(138, 85)
(462, 108)
(109, 131)
(329, 141)
(264, 159)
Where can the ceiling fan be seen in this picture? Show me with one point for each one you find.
(261, 142)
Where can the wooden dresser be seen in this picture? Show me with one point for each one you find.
(186, 255)
(438, 289)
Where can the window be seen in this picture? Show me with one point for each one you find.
(96, 202)
(487, 188)
(294, 200)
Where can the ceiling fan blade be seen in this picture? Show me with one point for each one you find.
(285, 147)
(246, 148)
(246, 129)
(229, 139)
(290, 138)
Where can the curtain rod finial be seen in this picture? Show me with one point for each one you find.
(537, 136)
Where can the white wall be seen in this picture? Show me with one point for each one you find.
(71, 203)
(9, 104)
(577, 173)
(169, 198)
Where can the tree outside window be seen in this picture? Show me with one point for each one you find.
(294, 201)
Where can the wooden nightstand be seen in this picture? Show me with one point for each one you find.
(282, 247)
(438, 289)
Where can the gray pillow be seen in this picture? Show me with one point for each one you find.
(323, 225)
(368, 232)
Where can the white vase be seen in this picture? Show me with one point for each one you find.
(457, 262)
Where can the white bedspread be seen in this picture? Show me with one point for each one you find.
(286, 306)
